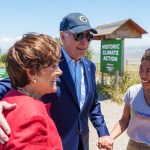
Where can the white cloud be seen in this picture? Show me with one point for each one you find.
(18, 37)
(7, 42)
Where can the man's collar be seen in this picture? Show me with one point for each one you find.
(68, 58)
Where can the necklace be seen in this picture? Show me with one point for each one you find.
(21, 90)
(147, 92)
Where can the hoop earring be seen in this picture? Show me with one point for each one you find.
(34, 81)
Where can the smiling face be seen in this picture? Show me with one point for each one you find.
(144, 73)
(28, 56)
(46, 80)
(75, 49)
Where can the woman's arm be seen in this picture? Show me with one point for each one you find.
(122, 124)
(119, 128)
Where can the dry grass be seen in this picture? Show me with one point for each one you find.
(116, 92)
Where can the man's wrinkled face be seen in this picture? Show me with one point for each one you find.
(75, 44)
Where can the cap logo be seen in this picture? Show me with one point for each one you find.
(83, 19)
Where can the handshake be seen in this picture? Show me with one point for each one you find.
(105, 142)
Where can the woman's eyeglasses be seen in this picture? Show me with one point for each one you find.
(80, 36)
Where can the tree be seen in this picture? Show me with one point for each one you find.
(89, 53)
(58, 40)
(3, 57)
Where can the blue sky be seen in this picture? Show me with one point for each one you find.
(43, 16)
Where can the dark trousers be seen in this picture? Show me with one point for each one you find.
(80, 147)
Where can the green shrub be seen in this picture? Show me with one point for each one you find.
(2, 58)
(116, 92)
(89, 53)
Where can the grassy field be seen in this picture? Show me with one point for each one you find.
(115, 89)
(97, 67)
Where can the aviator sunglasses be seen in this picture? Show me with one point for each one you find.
(80, 36)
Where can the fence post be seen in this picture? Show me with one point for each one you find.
(102, 78)
(116, 82)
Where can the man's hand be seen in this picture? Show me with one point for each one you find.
(105, 142)
(4, 127)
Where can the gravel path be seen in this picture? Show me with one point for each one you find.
(112, 113)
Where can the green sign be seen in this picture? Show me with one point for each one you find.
(111, 56)
(3, 73)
